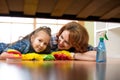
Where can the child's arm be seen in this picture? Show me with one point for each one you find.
(21, 46)
(10, 53)
(4, 55)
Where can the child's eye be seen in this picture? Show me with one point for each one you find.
(40, 40)
(45, 44)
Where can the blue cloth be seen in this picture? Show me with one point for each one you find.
(54, 44)
(2, 47)
(22, 45)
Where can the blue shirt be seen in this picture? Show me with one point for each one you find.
(22, 45)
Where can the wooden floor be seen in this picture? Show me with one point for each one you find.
(60, 70)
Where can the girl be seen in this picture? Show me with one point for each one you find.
(37, 41)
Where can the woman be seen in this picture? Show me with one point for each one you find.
(74, 38)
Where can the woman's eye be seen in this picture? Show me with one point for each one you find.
(64, 40)
(67, 42)
(61, 37)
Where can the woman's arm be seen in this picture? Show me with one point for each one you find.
(88, 56)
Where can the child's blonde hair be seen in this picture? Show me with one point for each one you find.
(42, 28)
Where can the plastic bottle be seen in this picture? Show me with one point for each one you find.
(101, 49)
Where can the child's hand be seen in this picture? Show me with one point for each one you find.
(4, 55)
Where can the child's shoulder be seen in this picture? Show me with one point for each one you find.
(23, 42)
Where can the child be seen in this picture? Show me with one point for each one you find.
(37, 41)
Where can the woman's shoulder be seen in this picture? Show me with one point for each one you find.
(53, 39)
(54, 36)
(91, 48)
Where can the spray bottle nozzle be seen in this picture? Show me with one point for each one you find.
(103, 35)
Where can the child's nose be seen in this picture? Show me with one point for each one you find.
(41, 44)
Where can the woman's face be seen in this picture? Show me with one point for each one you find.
(40, 41)
(63, 41)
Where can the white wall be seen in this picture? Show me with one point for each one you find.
(11, 28)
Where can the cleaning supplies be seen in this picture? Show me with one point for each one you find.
(101, 48)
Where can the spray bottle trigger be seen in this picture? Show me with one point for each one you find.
(105, 36)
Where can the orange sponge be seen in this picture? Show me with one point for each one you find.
(16, 57)
(13, 51)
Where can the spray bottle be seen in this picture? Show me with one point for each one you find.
(101, 48)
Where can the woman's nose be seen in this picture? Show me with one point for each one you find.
(61, 41)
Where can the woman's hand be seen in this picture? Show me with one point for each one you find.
(87, 56)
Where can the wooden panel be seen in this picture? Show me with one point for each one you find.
(108, 6)
(45, 6)
(60, 7)
(92, 6)
(3, 7)
(111, 13)
(90, 10)
(117, 16)
(30, 7)
(76, 7)
(15, 5)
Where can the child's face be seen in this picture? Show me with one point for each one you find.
(40, 41)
